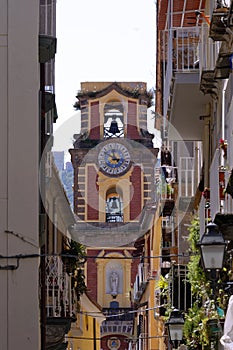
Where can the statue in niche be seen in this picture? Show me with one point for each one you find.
(114, 280)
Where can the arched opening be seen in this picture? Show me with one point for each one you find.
(114, 206)
(113, 119)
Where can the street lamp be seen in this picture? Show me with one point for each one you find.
(175, 326)
(212, 248)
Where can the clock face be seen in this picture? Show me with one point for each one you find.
(114, 158)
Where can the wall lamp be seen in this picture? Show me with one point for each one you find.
(175, 325)
(212, 248)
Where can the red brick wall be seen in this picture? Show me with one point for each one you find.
(92, 195)
(136, 193)
(91, 278)
(132, 130)
(95, 121)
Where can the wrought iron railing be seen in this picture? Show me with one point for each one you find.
(61, 300)
(118, 314)
(141, 280)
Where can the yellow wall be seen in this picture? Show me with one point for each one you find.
(156, 323)
(85, 332)
(123, 298)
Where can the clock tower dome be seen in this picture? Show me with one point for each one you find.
(114, 196)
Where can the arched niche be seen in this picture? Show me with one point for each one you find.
(114, 205)
(113, 119)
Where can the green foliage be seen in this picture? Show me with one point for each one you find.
(196, 275)
(197, 331)
(196, 327)
(194, 235)
(162, 284)
(73, 256)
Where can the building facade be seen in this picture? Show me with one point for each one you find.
(34, 219)
(193, 109)
(113, 159)
(19, 192)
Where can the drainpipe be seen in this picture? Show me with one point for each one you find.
(206, 145)
(94, 331)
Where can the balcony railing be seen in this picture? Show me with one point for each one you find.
(208, 50)
(166, 176)
(61, 299)
(141, 280)
(180, 49)
(218, 23)
(186, 177)
(143, 341)
(220, 201)
(117, 327)
(118, 314)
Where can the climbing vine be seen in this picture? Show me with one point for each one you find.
(198, 331)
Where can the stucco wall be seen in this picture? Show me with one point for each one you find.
(19, 86)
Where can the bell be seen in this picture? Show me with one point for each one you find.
(114, 127)
(114, 204)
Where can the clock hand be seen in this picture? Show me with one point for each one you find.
(114, 157)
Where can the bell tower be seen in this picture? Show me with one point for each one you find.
(114, 196)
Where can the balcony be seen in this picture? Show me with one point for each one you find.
(165, 182)
(208, 84)
(143, 341)
(183, 100)
(218, 24)
(61, 303)
(117, 327)
(220, 199)
(187, 184)
(141, 281)
(118, 314)
(224, 61)
(221, 33)
(61, 299)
